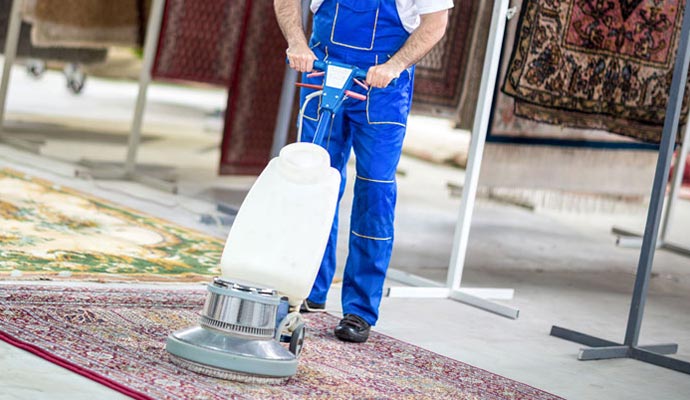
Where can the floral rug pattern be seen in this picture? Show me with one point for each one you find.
(46, 229)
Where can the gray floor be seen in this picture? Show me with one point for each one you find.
(565, 267)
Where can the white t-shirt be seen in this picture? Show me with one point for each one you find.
(409, 10)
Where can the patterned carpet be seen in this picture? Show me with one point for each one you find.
(117, 336)
(438, 80)
(596, 64)
(49, 229)
(200, 41)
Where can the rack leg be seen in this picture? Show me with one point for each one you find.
(152, 33)
(10, 54)
(630, 348)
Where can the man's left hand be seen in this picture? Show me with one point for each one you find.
(379, 76)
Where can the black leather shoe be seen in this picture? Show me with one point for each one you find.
(309, 306)
(352, 328)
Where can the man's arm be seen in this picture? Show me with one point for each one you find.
(431, 29)
(289, 16)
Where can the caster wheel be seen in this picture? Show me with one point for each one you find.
(75, 85)
(75, 78)
(297, 340)
(36, 68)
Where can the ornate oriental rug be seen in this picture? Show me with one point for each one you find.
(596, 64)
(117, 337)
(440, 75)
(254, 93)
(200, 40)
(46, 229)
(508, 127)
(237, 44)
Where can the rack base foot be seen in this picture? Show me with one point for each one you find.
(602, 349)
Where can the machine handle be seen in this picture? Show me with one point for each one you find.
(309, 86)
(348, 93)
(358, 72)
(355, 95)
(315, 74)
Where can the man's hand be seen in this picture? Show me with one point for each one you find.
(288, 14)
(379, 76)
(301, 58)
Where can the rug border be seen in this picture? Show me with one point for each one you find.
(50, 357)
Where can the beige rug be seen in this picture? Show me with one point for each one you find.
(50, 231)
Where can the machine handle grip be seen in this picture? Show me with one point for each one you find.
(355, 95)
(309, 86)
(357, 74)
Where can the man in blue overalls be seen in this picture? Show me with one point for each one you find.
(387, 37)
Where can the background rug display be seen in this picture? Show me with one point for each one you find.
(26, 49)
(236, 44)
(254, 93)
(117, 337)
(508, 127)
(603, 65)
(86, 23)
(440, 75)
(199, 40)
(48, 229)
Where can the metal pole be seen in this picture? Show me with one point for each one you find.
(476, 151)
(663, 166)
(152, 33)
(13, 27)
(677, 183)
(287, 98)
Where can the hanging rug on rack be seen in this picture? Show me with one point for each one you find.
(596, 64)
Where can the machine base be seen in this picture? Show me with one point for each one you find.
(234, 357)
(225, 374)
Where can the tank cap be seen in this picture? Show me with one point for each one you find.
(304, 161)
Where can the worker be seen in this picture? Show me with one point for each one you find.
(387, 38)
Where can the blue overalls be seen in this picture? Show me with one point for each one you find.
(362, 33)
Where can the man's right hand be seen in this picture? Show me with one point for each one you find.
(301, 58)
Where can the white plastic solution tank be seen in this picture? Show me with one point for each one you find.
(280, 233)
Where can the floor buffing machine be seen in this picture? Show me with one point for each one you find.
(250, 328)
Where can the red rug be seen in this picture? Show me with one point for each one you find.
(116, 337)
(438, 80)
(200, 41)
(254, 93)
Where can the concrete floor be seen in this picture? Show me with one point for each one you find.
(564, 266)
